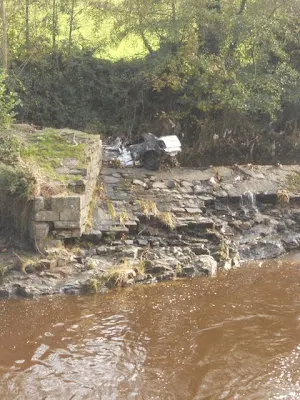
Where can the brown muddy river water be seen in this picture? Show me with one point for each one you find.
(233, 337)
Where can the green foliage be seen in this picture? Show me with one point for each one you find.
(7, 103)
(17, 182)
(10, 148)
(18, 185)
(81, 92)
(218, 70)
(16, 179)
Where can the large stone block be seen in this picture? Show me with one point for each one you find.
(46, 264)
(39, 230)
(76, 232)
(62, 203)
(207, 265)
(47, 216)
(69, 233)
(70, 215)
(38, 204)
(67, 224)
(193, 211)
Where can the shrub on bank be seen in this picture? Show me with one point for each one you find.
(7, 103)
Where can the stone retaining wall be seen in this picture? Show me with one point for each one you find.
(152, 227)
(66, 216)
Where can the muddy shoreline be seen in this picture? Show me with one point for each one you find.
(178, 223)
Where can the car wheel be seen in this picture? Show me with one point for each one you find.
(151, 160)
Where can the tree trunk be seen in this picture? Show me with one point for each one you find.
(174, 17)
(27, 33)
(54, 23)
(143, 36)
(242, 6)
(71, 26)
(173, 12)
(4, 36)
(146, 43)
(175, 33)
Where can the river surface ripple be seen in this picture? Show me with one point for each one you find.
(233, 337)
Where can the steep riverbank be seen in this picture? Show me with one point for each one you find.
(173, 224)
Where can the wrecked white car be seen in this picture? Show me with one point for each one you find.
(150, 152)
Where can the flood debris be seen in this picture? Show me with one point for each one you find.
(149, 152)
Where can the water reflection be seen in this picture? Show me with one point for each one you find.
(234, 337)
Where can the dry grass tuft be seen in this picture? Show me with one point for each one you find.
(283, 197)
(26, 261)
(111, 210)
(178, 270)
(123, 217)
(167, 219)
(91, 286)
(3, 270)
(43, 185)
(140, 268)
(119, 274)
(148, 207)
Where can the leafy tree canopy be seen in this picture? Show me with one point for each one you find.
(126, 65)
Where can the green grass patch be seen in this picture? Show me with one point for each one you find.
(29, 160)
(48, 149)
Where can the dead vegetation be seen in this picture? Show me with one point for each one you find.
(3, 270)
(148, 207)
(91, 286)
(120, 274)
(111, 210)
(168, 219)
(283, 197)
(123, 217)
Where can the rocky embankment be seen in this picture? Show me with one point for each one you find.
(149, 227)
